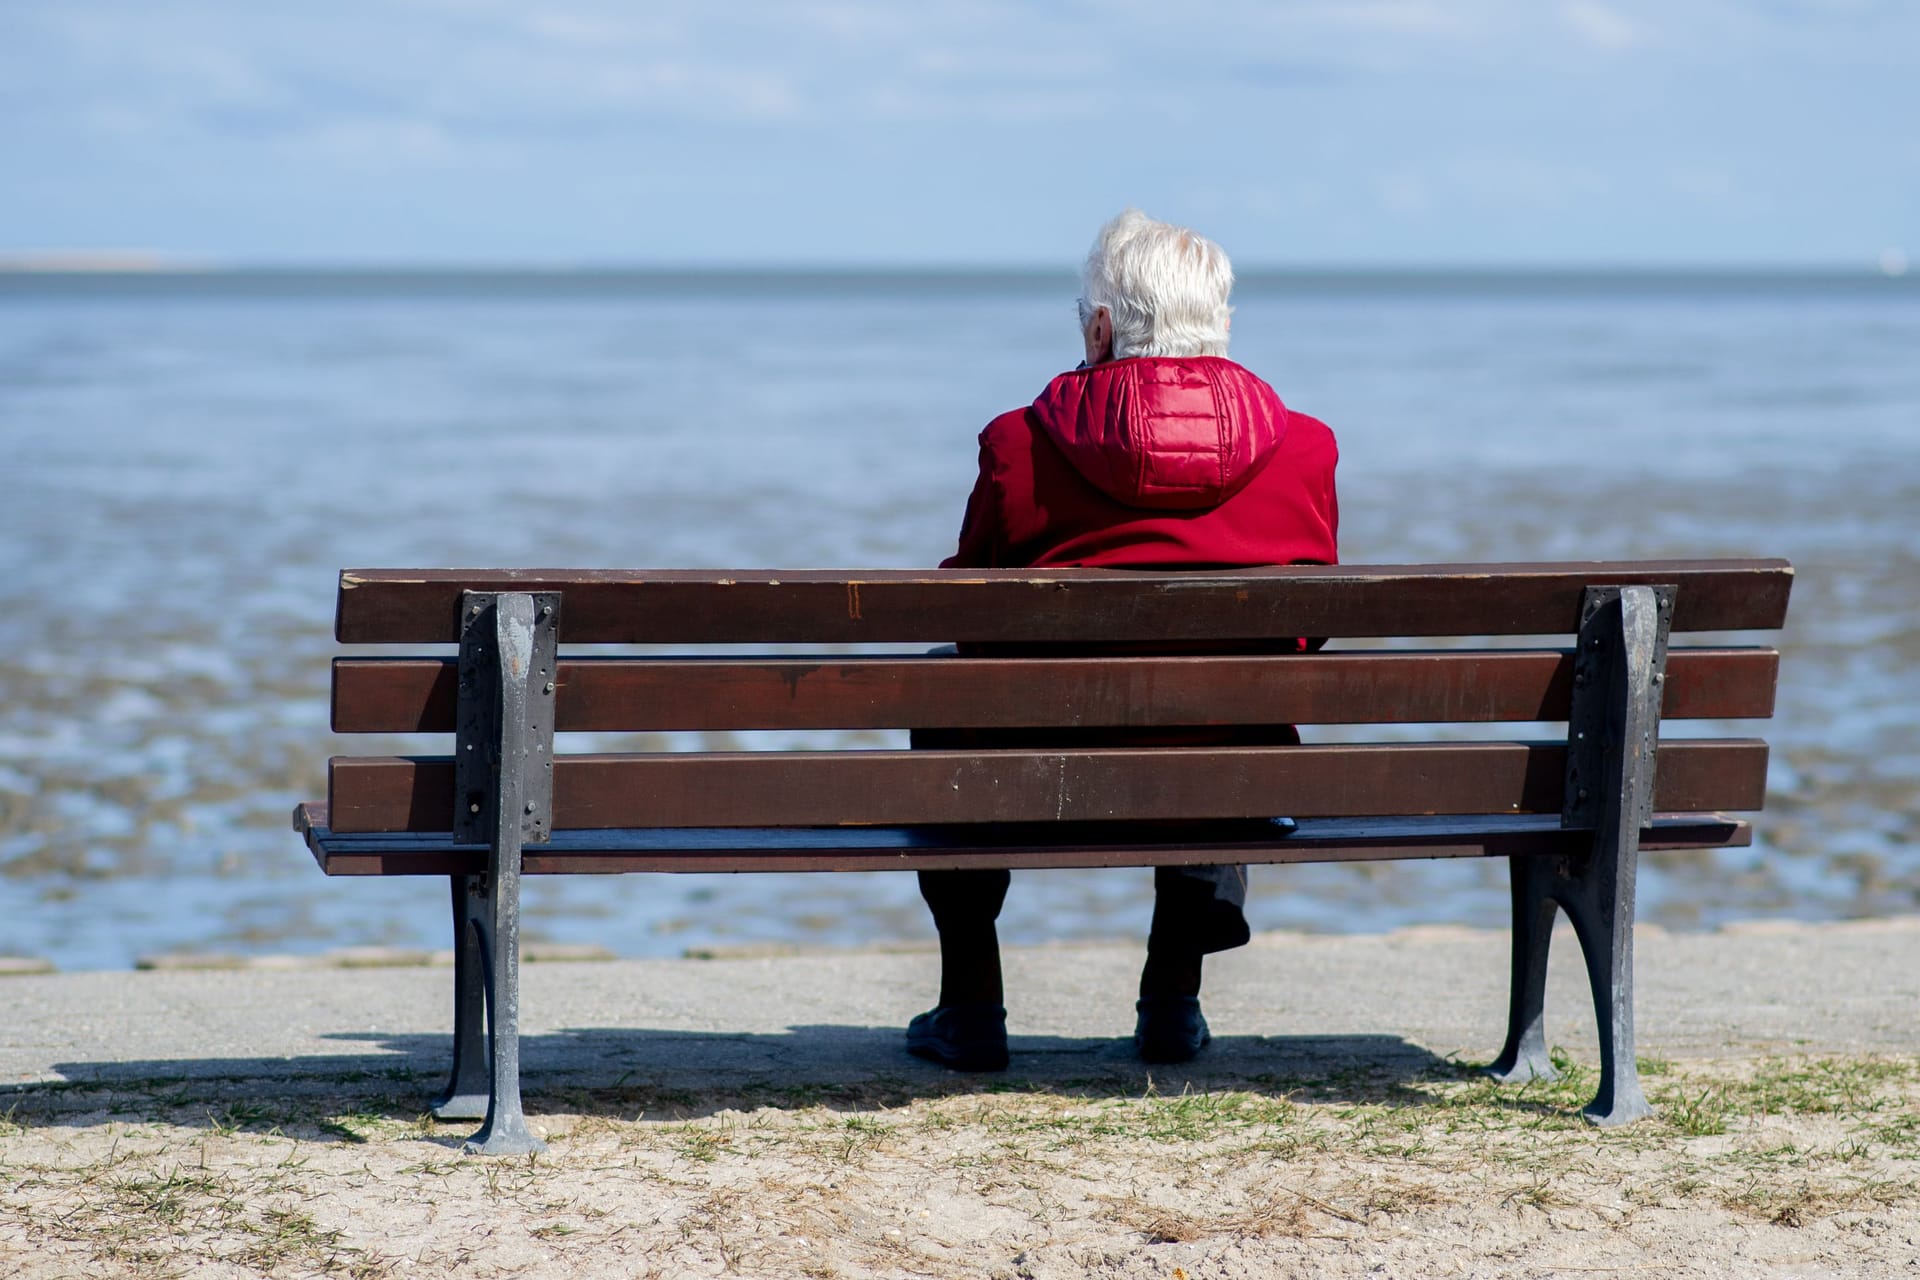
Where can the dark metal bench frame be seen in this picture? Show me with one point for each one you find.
(1583, 861)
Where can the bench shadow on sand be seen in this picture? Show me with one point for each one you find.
(622, 1073)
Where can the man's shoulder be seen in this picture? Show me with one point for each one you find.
(1307, 434)
(1015, 426)
(1009, 439)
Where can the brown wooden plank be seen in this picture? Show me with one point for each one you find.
(417, 695)
(1075, 606)
(910, 788)
(1068, 845)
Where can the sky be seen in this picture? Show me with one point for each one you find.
(694, 132)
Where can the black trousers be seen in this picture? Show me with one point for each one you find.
(1196, 910)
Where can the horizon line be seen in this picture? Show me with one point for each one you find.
(134, 263)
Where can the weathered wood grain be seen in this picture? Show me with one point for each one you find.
(417, 695)
(913, 788)
(1070, 606)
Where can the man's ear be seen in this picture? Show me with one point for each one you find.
(1100, 337)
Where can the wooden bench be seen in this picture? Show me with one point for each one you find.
(1570, 814)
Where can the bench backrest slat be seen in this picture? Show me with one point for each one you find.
(910, 788)
(1070, 606)
(418, 695)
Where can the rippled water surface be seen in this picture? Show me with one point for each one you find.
(187, 470)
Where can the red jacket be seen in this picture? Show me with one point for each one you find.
(1153, 463)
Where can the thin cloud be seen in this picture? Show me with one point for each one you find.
(1601, 26)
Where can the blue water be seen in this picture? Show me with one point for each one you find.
(188, 466)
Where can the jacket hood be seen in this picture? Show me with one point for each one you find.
(1164, 433)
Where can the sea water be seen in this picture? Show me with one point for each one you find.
(189, 462)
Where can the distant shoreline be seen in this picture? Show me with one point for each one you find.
(26, 280)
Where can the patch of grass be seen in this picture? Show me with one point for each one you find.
(1395, 1195)
(284, 1236)
(1540, 1191)
(341, 1129)
(1824, 1086)
(355, 1126)
(702, 1145)
(1191, 1117)
(161, 1219)
(1696, 1115)
(238, 1116)
(168, 1198)
(1804, 1202)
(1277, 1212)
(1900, 1133)
(859, 1137)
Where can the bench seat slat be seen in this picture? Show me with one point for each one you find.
(911, 788)
(927, 848)
(1074, 606)
(418, 695)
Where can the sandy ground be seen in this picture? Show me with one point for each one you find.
(756, 1117)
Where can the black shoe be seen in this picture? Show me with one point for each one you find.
(965, 1037)
(1170, 1028)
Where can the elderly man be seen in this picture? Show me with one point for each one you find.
(1157, 452)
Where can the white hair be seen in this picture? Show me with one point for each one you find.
(1165, 288)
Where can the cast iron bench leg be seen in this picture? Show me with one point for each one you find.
(1622, 662)
(504, 1132)
(1525, 1055)
(507, 646)
(465, 1097)
(1600, 904)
